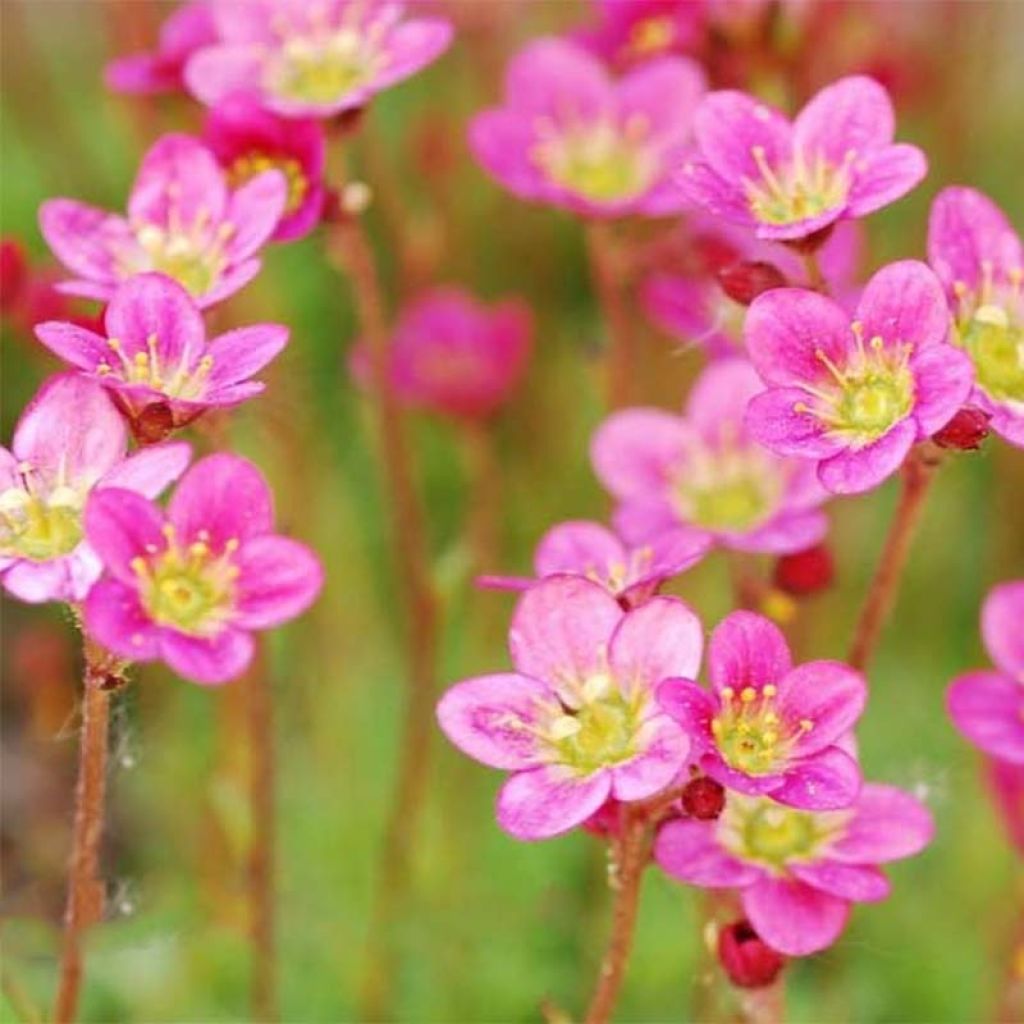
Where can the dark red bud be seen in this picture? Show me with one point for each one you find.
(703, 798)
(812, 242)
(715, 253)
(154, 424)
(744, 281)
(606, 820)
(745, 958)
(805, 572)
(13, 273)
(965, 431)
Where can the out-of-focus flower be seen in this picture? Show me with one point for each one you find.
(186, 30)
(988, 707)
(805, 572)
(183, 221)
(701, 477)
(746, 958)
(632, 32)
(576, 722)
(854, 397)
(303, 59)
(767, 728)
(789, 180)
(570, 136)
(154, 352)
(190, 587)
(980, 260)
(248, 140)
(797, 871)
(582, 548)
(455, 355)
(965, 431)
(69, 441)
(1006, 781)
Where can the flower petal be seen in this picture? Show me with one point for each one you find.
(792, 917)
(662, 752)
(547, 801)
(120, 526)
(858, 883)
(660, 639)
(690, 705)
(179, 179)
(278, 579)
(240, 353)
(580, 547)
(254, 211)
(825, 781)
(729, 125)
(634, 451)
(82, 348)
(828, 695)
(688, 851)
(747, 650)
(782, 419)
(883, 177)
(887, 824)
(1001, 618)
(115, 618)
(208, 660)
(988, 708)
(85, 238)
(859, 469)
(904, 304)
(852, 115)
(943, 380)
(149, 470)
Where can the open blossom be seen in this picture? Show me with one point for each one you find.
(788, 180)
(570, 135)
(154, 352)
(797, 871)
(248, 140)
(577, 722)
(988, 707)
(980, 260)
(582, 548)
(767, 727)
(189, 587)
(631, 32)
(183, 220)
(69, 441)
(186, 30)
(702, 476)
(303, 59)
(853, 397)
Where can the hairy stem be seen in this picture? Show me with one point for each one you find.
(608, 274)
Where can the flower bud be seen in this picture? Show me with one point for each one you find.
(703, 798)
(965, 431)
(745, 958)
(13, 273)
(745, 280)
(154, 424)
(805, 572)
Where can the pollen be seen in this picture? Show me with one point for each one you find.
(749, 732)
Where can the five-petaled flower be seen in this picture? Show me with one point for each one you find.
(767, 727)
(577, 722)
(183, 220)
(189, 587)
(855, 396)
(789, 180)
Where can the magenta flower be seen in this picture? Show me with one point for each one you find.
(854, 397)
(980, 259)
(1006, 782)
(702, 478)
(767, 728)
(631, 32)
(302, 59)
(191, 586)
(988, 707)
(570, 136)
(576, 722)
(187, 29)
(797, 872)
(787, 181)
(69, 441)
(183, 221)
(248, 140)
(155, 353)
(630, 574)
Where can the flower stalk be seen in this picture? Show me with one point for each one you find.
(608, 274)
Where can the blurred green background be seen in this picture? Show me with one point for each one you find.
(492, 927)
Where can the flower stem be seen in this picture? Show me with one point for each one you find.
(916, 476)
(815, 278)
(607, 272)
(85, 897)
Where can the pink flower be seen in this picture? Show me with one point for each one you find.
(576, 722)
(701, 477)
(988, 707)
(302, 59)
(190, 587)
(797, 871)
(980, 260)
(767, 728)
(569, 136)
(1006, 782)
(581, 548)
(187, 29)
(183, 220)
(787, 181)
(154, 352)
(69, 441)
(632, 32)
(853, 397)
(248, 140)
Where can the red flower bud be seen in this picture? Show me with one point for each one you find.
(965, 431)
(154, 424)
(805, 572)
(744, 281)
(745, 958)
(13, 273)
(703, 798)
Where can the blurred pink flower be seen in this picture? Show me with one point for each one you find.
(632, 32)
(69, 441)
(570, 136)
(576, 722)
(980, 260)
(701, 478)
(767, 728)
(183, 220)
(191, 586)
(797, 872)
(1006, 781)
(854, 397)
(155, 352)
(789, 180)
(988, 707)
(248, 140)
(304, 59)
(188, 28)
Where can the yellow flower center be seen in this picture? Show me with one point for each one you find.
(803, 188)
(249, 165)
(651, 36)
(749, 734)
(145, 368)
(37, 526)
(324, 67)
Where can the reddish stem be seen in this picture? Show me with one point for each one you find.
(608, 273)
